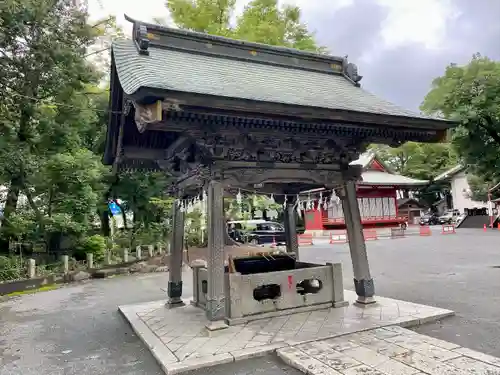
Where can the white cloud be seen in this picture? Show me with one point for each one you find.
(416, 21)
(408, 21)
(133, 8)
(327, 6)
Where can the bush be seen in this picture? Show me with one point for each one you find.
(95, 244)
(11, 268)
(193, 239)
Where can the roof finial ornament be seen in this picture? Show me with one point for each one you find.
(140, 35)
(141, 38)
(352, 72)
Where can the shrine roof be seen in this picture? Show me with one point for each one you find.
(388, 179)
(178, 61)
(369, 159)
(383, 175)
(378, 177)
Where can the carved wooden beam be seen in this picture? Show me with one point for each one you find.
(146, 114)
(134, 152)
(277, 176)
(180, 144)
(277, 149)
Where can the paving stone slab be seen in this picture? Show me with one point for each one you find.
(474, 366)
(486, 358)
(390, 350)
(180, 342)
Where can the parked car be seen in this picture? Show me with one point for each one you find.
(429, 219)
(449, 217)
(257, 232)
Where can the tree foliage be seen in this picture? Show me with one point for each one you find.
(50, 119)
(262, 21)
(53, 116)
(422, 161)
(470, 95)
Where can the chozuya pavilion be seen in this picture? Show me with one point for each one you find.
(218, 113)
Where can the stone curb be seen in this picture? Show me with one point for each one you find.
(88, 274)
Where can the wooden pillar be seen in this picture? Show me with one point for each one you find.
(363, 282)
(292, 244)
(216, 301)
(174, 289)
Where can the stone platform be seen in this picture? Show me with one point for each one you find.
(390, 350)
(179, 341)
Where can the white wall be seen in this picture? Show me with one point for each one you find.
(460, 191)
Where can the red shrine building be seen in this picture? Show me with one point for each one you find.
(377, 199)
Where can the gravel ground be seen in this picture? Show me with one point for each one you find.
(77, 329)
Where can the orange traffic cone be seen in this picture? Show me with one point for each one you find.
(484, 227)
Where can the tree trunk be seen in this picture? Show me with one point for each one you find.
(104, 215)
(105, 227)
(10, 208)
(26, 111)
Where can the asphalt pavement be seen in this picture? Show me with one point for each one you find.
(460, 272)
(77, 329)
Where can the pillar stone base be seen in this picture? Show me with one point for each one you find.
(174, 289)
(365, 301)
(216, 325)
(365, 289)
(174, 303)
(174, 292)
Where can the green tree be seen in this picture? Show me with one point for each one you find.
(46, 114)
(470, 94)
(144, 197)
(422, 161)
(64, 180)
(262, 21)
(479, 188)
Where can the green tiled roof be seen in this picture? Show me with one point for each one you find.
(178, 70)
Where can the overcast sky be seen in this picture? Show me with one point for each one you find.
(398, 45)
